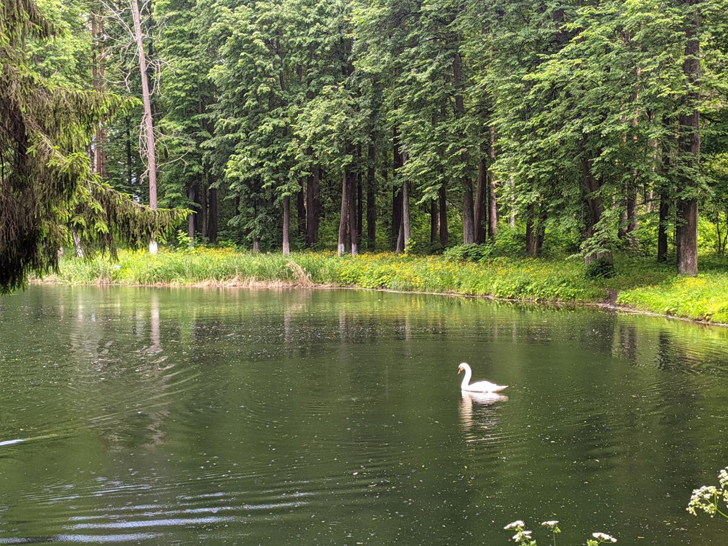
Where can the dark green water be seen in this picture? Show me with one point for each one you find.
(335, 417)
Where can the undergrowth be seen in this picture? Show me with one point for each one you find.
(638, 281)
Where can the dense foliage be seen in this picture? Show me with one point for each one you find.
(585, 128)
(46, 185)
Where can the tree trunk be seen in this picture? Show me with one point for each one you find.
(632, 221)
(433, 222)
(399, 247)
(406, 232)
(353, 220)
(148, 120)
(442, 201)
(492, 200)
(191, 217)
(468, 213)
(481, 202)
(396, 190)
(468, 218)
(372, 199)
(512, 219)
(359, 208)
(341, 247)
(129, 164)
(301, 209)
(286, 225)
(77, 244)
(541, 230)
(689, 148)
(212, 221)
(530, 230)
(312, 207)
(203, 211)
(98, 64)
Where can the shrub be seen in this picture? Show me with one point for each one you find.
(601, 268)
(509, 242)
(469, 253)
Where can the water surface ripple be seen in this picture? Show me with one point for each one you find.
(140, 416)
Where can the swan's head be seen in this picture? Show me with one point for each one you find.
(463, 367)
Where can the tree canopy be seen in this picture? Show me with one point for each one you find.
(597, 127)
(46, 184)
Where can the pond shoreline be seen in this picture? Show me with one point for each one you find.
(255, 284)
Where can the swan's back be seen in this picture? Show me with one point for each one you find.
(485, 386)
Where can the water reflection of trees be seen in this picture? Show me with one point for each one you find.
(309, 387)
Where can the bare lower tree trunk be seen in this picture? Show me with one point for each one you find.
(433, 222)
(353, 220)
(286, 225)
(492, 199)
(371, 199)
(212, 222)
(341, 247)
(481, 202)
(396, 190)
(191, 217)
(301, 209)
(468, 213)
(541, 230)
(359, 208)
(406, 232)
(531, 243)
(689, 148)
(468, 216)
(148, 120)
(77, 244)
(312, 207)
(512, 219)
(399, 246)
(129, 174)
(442, 202)
(632, 221)
(99, 75)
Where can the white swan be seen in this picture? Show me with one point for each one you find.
(480, 386)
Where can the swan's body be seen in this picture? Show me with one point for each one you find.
(480, 386)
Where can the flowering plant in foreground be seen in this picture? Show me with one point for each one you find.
(707, 498)
(523, 537)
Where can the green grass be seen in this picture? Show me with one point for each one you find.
(639, 282)
(700, 298)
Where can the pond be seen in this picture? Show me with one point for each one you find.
(163, 416)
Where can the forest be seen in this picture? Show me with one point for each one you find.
(177, 176)
(410, 125)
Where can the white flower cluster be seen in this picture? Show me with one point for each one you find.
(723, 478)
(551, 524)
(522, 536)
(704, 500)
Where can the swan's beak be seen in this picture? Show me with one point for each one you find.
(459, 370)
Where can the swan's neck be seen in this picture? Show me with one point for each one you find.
(466, 379)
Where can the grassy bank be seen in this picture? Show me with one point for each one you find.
(639, 282)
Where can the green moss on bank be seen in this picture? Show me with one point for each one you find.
(640, 282)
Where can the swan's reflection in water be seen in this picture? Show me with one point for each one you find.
(479, 414)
